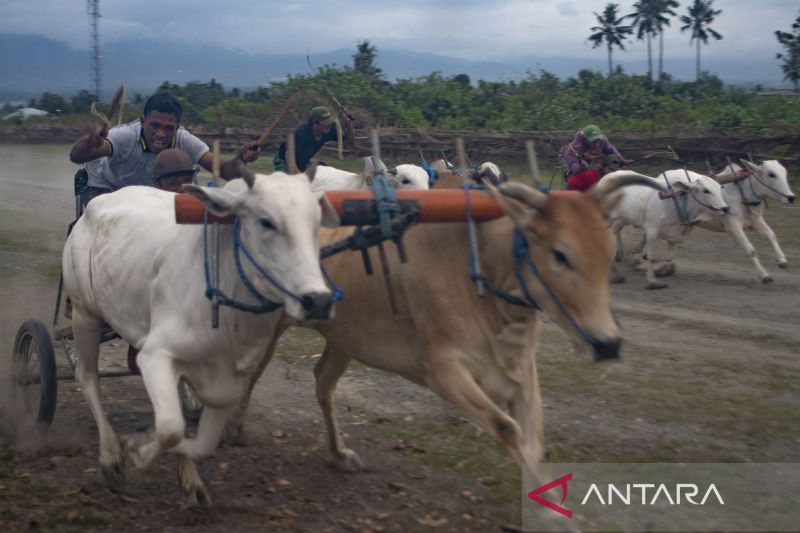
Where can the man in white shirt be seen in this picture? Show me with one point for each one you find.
(124, 155)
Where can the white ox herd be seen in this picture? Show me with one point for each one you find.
(734, 206)
(477, 353)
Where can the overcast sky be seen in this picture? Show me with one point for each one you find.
(472, 29)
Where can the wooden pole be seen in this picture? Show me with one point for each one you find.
(291, 162)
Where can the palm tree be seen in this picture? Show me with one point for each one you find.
(662, 9)
(611, 31)
(700, 16)
(645, 22)
(791, 59)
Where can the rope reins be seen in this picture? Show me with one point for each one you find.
(265, 305)
(521, 254)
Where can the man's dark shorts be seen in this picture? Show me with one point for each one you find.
(84, 191)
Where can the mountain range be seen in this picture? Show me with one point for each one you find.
(33, 64)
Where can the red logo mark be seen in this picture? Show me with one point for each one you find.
(562, 481)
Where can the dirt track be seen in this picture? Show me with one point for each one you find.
(709, 373)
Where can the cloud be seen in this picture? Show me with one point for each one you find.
(567, 9)
(471, 29)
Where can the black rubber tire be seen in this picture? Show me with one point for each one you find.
(33, 341)
(191, 407)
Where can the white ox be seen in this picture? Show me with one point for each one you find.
(127, 263)
(744, 190)
(695, 198)
(477, 352)
(451, 178)
(402, 177)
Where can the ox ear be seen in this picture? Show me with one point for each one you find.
(513, 198)
(330, 217)
(370, 166)
(219, 201)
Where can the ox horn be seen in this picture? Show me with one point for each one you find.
(247, 174)
(623, 178)
(527, 195)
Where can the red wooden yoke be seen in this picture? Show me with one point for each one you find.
(356, 207)
(445, 205)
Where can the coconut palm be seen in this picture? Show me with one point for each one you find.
(791, 59)
(661, 10)
(611, 31)
(700, 16)
(646, 25)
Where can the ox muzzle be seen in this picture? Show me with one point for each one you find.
(317, 305)
(604, 350)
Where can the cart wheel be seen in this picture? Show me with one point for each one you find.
(191, 406)
(34, 381)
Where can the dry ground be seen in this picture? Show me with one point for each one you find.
(709, 373)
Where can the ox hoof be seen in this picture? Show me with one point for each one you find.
(616, 277)
(784, 265)
(619, 256)
(652, 285)
(113, 476)
(192, 487)
(348, 461)
(197, 496)
(237, 435)
(132, 448)
(766, 279)
(667, 269)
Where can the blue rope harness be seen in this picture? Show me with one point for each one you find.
(385, 202)
(433, 175)
(521, 253)
(476, 277)
(265, 305)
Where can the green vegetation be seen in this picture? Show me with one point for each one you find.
(790, 59)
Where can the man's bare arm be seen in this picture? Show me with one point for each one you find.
(228, 171)
(91, 146)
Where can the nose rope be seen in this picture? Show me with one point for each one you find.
(754, 175)
(239, 245)
(696, 199)
(265, 305)
(521, 253)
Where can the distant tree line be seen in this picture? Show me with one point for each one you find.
(540, 101)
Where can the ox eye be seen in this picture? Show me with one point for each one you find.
(771, 175)
(706, 191)
(406, 181)
(561, 259)
(267, 224)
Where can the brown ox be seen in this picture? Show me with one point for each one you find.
(477, 352)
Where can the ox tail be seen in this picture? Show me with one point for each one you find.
(623, 178)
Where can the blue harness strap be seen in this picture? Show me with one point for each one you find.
(265, 305)
(521, 254)
(476, 276)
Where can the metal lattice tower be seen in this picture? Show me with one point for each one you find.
(93, 10)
